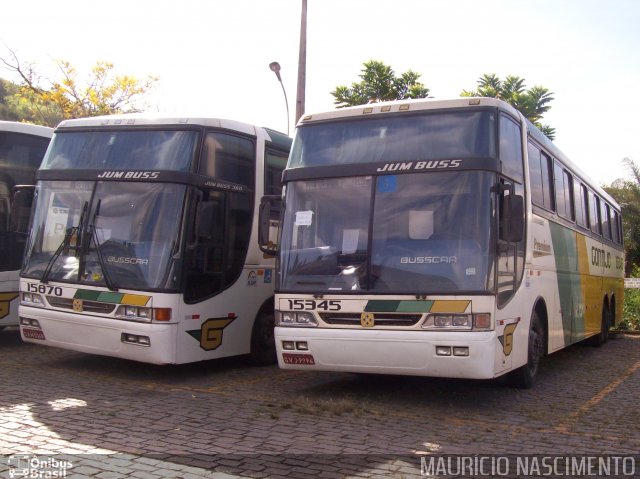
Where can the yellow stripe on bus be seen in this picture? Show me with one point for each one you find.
(442, 306)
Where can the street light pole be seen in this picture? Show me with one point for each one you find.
(275, 68)
(302, 63)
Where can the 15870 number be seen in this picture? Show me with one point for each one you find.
(312, 305)
(44, 289)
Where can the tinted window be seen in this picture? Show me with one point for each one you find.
(616, 227)
(582, 204)
(535, 175)
(127, 150)
(20, 157)
(275, 162)
(605, 212)
(228, 157)
(510, 148)
(431, 136)
(594, 213)
(547, 181)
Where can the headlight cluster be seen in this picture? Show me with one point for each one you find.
(461, 322)
(143, 314)
(292, 318)
(34, 300)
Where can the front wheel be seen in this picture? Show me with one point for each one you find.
(524, 377)
(263, 343)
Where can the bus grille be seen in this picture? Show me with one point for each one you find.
(381, 319)
(87, 306)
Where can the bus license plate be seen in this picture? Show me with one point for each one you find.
(33, 334)
(305, 359)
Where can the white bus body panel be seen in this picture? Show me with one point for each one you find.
(218, 327)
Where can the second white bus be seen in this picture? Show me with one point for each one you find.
(144, 244)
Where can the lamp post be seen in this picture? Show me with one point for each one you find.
(275, 68)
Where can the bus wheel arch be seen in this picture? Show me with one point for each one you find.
(263, 346)
(524, 376)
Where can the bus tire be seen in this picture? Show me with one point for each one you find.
(263, 343)
(602, 337)
(524, 376)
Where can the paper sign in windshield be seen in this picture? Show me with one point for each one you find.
(304, 218)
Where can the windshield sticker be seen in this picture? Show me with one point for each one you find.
(387, 184)
(304, 218)
(350, 241)
(471, 271)
(420, 224)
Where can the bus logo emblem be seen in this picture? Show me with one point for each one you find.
(367, 320)
(77, 305)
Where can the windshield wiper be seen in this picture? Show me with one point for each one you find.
(66, 244)
(94, 236)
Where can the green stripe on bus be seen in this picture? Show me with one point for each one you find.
(87, 295)
(109, 297)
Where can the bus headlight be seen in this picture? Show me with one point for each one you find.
(291, 318)
(143, 314)
(32, 299)
(458, 322)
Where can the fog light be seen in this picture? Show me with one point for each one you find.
(288, 345)
(144, 340)
(24, 321)
(460, 351)
(443, 351)
(302, 346)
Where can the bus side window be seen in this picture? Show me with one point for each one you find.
(594, 213)
(605, 213)
(582, 204)
(511, 148)
(275, 162)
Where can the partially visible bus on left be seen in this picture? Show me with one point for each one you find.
(22, 147)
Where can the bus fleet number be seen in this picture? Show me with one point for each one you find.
(44, 289)
(312, 305)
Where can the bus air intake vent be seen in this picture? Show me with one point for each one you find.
(381, 319)
(87, 306)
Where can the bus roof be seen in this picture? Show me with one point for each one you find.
(407, 106)
(26, 128)
(143, 119)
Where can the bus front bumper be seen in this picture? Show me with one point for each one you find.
(146, 342)
(414, 353)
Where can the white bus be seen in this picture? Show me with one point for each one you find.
(22, 147)
(143, 242)
(440, 238)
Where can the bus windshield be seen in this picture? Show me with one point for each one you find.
(421, 137)
(422, 233)
(117, 149)
(116, 234)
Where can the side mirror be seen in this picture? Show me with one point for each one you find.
(21, 201)
(512, 229)
(269, 224)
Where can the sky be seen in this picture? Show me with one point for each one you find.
(212, 56)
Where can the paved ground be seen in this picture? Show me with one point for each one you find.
(110, 418)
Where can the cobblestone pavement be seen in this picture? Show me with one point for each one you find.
(90, 416)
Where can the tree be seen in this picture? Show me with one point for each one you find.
(627, 194)
(532, 103)
(380, 83)
(50, 101)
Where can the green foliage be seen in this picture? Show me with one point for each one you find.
(631, 311)
(379, 83)
(627, 194)
(532, 103)
(47, 102)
